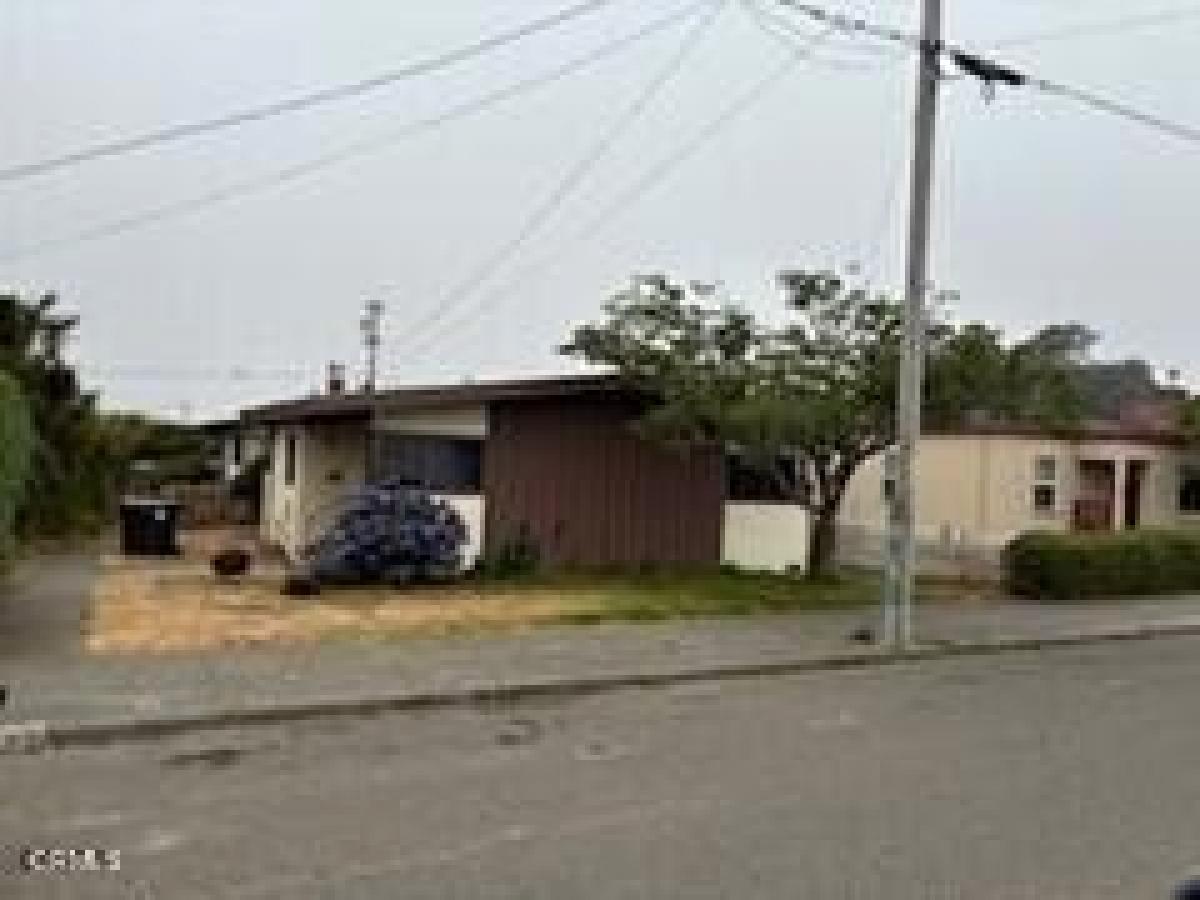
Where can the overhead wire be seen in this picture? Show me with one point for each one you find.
(238, 373)
(125, 145)
(653, 176)
(991, 72)
(574, 177)
(1100, 103)
(881, 225)
(1111, 26)
(278, 177)
(1119, 25)
(783, 30)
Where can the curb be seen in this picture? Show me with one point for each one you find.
(37, 736)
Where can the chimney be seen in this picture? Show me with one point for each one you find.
(335, 379)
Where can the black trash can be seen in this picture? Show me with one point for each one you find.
(149, 527)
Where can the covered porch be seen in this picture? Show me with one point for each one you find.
(1119, 488)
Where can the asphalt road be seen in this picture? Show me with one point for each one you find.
(1069, 774)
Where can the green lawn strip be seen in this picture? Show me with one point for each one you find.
(597, 597)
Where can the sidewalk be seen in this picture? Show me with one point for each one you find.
(75, 699)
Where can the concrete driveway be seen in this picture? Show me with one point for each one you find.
(41, 610)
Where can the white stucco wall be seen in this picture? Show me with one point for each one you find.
(330, 460)
(275, 493)
(471, 507)
(330, 463)
(764, 536)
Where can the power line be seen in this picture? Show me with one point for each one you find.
(237, 373)
(1094, 29)
(1103, 104)
(658, 172)
(570, 182)
(787, 34)
(783, 30)
(278, 177)
(445, 60)
(881, 225)
(990, 72)
(852, 25)
(847, 24)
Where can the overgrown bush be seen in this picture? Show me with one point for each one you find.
(390, 533)
(1056, 566)
(516, 556)
(16, 450)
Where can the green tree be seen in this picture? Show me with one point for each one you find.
(1110, 388)
(63, 491)
(1043, 379)
(16, 448)
(809, 400)
(179, 452)
(80, 455)
(1189, 420)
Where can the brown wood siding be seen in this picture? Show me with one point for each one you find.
(592, 493)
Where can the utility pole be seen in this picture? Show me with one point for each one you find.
(372, 316)
(900, 572)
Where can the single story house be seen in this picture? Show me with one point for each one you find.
(555, 460)
(980, 486)
(559, 460)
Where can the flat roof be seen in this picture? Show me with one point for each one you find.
(1084, 431)
(360, 404)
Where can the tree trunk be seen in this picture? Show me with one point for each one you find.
(822, 542)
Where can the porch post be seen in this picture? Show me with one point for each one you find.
(1121, 465)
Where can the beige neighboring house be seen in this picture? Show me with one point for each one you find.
(980, 487)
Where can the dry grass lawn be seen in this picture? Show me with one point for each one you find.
(165, 608)
(168, 606)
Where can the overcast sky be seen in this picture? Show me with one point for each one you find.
(1045, 211)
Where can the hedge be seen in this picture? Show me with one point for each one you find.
(1057, 566)
(16, 447)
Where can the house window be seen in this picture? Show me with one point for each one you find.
(289, 459)
(1046, 469)
(1045, 499)
(1189, 489)
(1045, 487)
(433, 463)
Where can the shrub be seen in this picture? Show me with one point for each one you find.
(16, 447)
(1058, 566)
(391, 533)
(515, 557)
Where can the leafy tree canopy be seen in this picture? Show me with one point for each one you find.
(80, 456)
(809, 400)
(16, 449)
